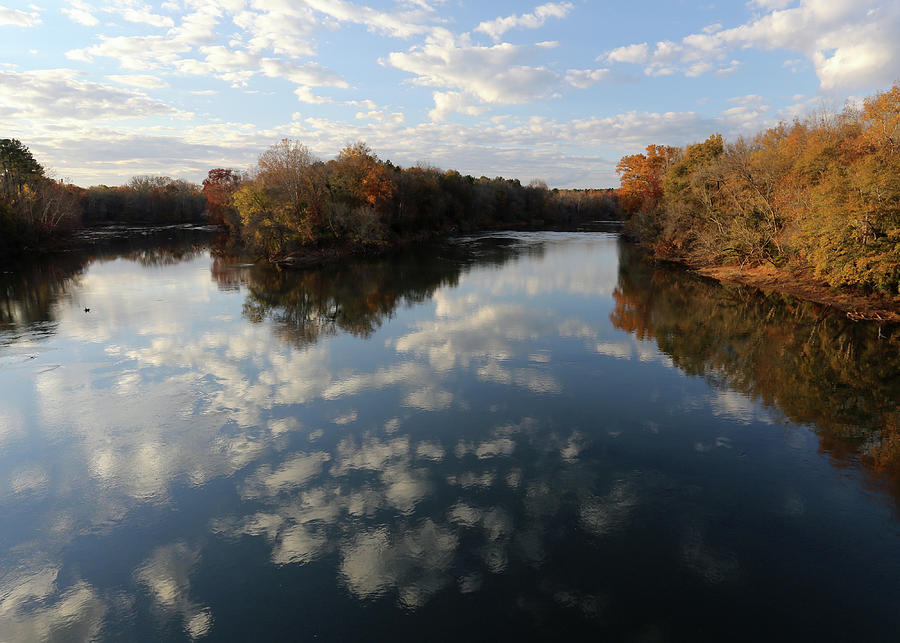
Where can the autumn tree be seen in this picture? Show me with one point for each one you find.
(642, 177)
(361, 188)
(282, 205)
(293, 200)
(219, 187)
(821, 194)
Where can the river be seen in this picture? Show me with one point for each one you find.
(510, 435)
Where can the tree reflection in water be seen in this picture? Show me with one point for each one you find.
(355, 296)
(811, 363)
(30, 291)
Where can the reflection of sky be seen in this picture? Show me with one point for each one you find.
(340, 449)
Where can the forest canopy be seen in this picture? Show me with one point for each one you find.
(293, 200)
(820, 195)
(290, 200)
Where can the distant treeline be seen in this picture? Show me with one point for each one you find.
(819, 195)
(37, 211)
(293, 200)
(145, 199)
(290, 200)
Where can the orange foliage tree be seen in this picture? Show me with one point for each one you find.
(642, 177)
(822, 194)
(219, 187)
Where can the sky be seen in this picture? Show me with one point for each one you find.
(101, 91)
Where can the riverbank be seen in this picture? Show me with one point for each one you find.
(767, 278)
(310, 257)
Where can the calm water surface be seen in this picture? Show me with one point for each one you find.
(516, 435)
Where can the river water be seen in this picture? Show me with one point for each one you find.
(512, 435)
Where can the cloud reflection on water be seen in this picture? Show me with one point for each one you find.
(151, 397)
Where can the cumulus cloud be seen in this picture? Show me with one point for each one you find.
(81, 13)
(18, 18)
(635, 128)
(305, 95)
(381, 116)
(91, 152)
(234, 66)
(851, 44)
(446, 103)
(636, 54)
(140, 14)
(246, 43)
(403, 24)
(198, 27)
(499, 26)
(64, 94)
(133, 52)
(141, 81)
(285, 28)
(493, 74)
(310, 73)
(584, 78)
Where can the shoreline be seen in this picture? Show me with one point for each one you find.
(856, 305)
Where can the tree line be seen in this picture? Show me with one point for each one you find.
(33, 207)
(37, 211)
(289, 201)
(292, 200)
(820, 195)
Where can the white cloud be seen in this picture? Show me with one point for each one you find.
(284, 27)
(141, 14)
(403, 24)
(380, 116)
(311, 73)
(81, 13)
(493, 74)
(583, 78)
(198, 28)
(133, 52)
(141, 81)
(18, 18)
(306, 95)
(234, 66)
(730, 68)
(497, 27)
(636, 129)
(636, 54)
(448, 102)
(244, 41)
(62, 94)
(91, 152)
(851, 44)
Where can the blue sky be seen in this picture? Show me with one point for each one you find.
(101, 91)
